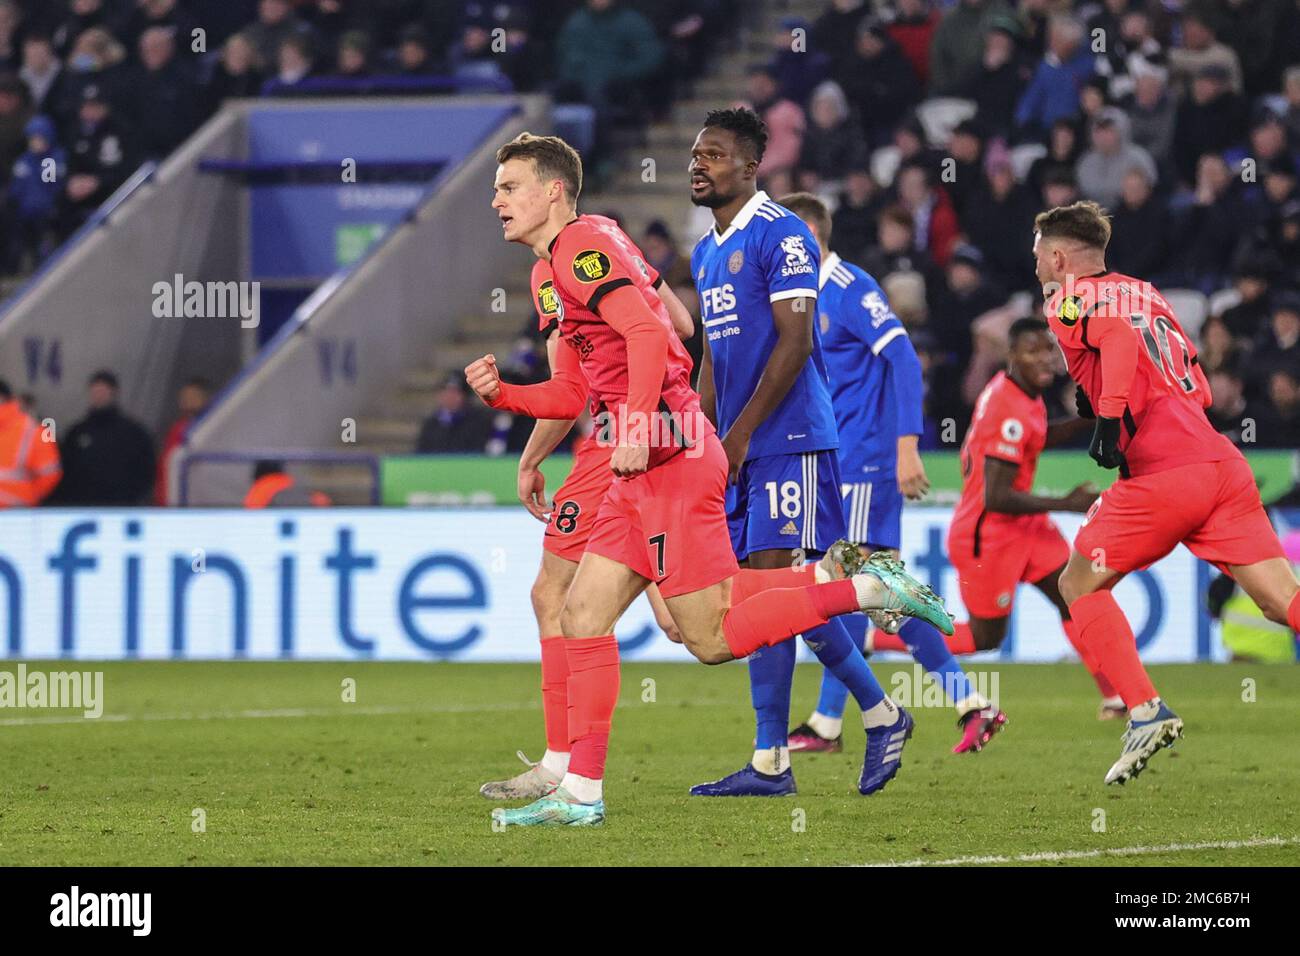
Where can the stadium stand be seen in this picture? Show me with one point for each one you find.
(934, 130)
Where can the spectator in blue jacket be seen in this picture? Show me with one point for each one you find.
(33, 194)
(1053, 93)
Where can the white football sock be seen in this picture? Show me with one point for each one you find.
(827, 727)
(556, 763)
(870, 590)
(772, 760)
(1113, 702)
(1145, 711)
(583, 789)
(883, 714)
(973, 702)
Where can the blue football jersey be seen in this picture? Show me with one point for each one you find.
(767, 254)
(856, 323)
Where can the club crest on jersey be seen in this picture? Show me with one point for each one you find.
(548, 301)
(825, 321)
(797, 261)
(1071, 309)
(591, 265)
(736, 262)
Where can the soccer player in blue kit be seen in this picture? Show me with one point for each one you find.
(876, 392)
(763, 383)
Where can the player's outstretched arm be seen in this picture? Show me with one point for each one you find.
(794, 343)
(562, 397)
(1002, 498)
(683, 323)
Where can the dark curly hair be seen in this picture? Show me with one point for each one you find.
(745, 125)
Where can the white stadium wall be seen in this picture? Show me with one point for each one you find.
(403, 585)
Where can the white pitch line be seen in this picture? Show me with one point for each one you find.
(1057, 855)
(290, 712)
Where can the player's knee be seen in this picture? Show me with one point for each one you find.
(1071, 586)
(1275, 607)
(671, 631)
(712, 655)
(574, 623)
(547, 603)
(708, 652)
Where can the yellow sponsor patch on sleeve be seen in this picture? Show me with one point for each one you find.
(591, 265)
(1071, 309)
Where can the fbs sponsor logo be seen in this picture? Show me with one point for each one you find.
(74, 908)
(790, 528)
(591, 265)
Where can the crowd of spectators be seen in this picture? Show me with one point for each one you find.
(1183, 120)
(89, 89)
(1184, 123)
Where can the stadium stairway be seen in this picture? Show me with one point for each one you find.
(637, 198)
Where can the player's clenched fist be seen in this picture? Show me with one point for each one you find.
(629, 460)
(482, 376)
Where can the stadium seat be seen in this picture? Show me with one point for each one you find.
(1190, 308)
(939, 116)
(1024, 156)
(884, 163)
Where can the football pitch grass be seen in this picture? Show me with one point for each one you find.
(265, 764)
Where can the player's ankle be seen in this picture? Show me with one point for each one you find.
(582, 789)
(883, 714)
(771, 760)
(828, 728)
(557, 762)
